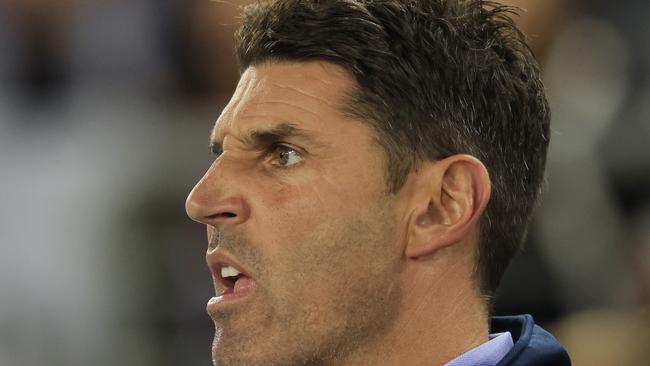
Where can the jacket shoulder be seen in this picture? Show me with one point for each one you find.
(533, 346)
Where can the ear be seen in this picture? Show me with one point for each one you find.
(451, 194)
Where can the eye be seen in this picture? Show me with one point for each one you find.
(285, 156)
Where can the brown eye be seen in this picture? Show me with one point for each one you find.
(286, 156)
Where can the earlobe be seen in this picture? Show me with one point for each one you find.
(451, 197)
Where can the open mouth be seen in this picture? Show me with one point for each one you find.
(232, 283)
(230, 279)
(228, 276)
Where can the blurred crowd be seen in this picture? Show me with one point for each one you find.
(105, 109)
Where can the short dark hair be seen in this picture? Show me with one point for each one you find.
(434, 78)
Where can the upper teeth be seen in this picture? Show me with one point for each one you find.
(228, 271)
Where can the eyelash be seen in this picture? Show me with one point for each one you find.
(214, 151)
(268, 154)
(272, 150)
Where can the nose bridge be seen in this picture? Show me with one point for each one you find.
(216, 200)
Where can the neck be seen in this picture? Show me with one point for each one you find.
(436, 323)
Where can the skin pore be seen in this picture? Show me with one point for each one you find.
(345, 273)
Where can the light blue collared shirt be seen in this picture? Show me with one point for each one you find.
(486, 354)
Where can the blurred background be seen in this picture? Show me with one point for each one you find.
(105, 109)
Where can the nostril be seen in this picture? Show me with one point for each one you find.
(230, 211)
(224, 215)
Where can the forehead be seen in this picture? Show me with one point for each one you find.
(306, 93)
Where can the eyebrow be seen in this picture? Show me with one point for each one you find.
(264, 136)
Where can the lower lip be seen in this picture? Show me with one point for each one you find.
(242, 290)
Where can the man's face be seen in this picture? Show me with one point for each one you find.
(297, 200)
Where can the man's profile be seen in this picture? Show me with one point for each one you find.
(374, 172)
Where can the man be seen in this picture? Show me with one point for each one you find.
(374, 172)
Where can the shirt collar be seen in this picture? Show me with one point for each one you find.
(486, 354)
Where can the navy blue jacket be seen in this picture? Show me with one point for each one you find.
(533, 345)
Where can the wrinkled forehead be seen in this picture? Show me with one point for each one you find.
(306, 93)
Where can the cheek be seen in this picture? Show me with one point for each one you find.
(310, 212)
(293, 208)
(296, 224)
(332, 271)
(300, 226)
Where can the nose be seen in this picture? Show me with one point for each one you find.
(214, 202)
